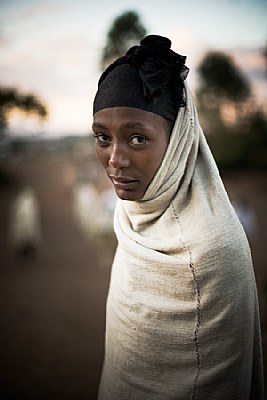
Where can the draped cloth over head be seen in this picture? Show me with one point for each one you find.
(182, 309)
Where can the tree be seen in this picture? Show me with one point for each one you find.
(221, 80)
(125, 31)
(221, 77)
(221, 85)
(242, 142)
(11, 99)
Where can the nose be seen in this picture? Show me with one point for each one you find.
(118, 157)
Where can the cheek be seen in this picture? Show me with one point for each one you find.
(153, 162)
(101, 155)
(159, 154)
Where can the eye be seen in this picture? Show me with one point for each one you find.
(138, 140)
(102, 138)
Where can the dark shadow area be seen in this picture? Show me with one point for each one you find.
(53, 296)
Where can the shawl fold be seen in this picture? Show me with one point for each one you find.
(182, 309)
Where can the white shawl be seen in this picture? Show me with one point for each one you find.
(182, 310)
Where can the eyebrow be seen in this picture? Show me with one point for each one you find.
(133, 125)
(127, 125)
(98, 125)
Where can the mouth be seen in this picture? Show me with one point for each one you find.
(123, 182)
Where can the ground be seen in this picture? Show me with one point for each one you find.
(53, 305)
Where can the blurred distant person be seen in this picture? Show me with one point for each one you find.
(247, 216)
(25, 224)
(106, 206)
(182, 310)
(85, 204)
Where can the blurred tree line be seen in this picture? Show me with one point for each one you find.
(126, 31)
(12, 100)
(234, 124)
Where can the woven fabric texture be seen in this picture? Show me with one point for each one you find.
(182, 309)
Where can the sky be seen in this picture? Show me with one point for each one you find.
(53, 48)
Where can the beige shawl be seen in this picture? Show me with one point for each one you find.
(182, 310)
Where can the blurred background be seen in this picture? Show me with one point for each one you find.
(56, 205)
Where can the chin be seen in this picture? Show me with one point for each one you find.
(127, 195)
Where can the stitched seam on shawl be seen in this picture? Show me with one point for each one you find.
(197, 290)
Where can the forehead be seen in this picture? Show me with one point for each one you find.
(129, 117)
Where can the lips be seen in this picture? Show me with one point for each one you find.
(123, 182)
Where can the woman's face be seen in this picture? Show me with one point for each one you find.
(130, 145)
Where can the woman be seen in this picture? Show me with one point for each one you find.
(182, 310)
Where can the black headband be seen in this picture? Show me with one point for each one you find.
(149, 77)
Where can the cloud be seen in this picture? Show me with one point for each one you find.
(251, 58)
(253, 64)
(38, 9)
(63, 71)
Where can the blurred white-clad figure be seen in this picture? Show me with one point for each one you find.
(107, 202)
(93, 211)
(25, 224)
(247, 216)
(85, 205)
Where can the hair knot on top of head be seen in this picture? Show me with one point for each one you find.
(157, 63)
(149, 76)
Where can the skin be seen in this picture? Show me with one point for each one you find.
(130, 145)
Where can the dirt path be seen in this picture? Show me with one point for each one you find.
(52, 307)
